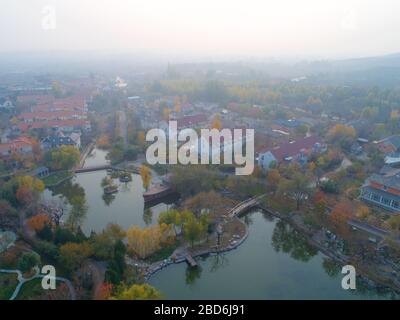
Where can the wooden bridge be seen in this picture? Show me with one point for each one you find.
(244, 206)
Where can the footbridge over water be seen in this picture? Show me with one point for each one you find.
(245, 205)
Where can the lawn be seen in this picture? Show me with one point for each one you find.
(56, 177)
(162, 254)
(8, 283)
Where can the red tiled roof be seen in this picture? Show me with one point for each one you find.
(16, 144)
(24, 126)
(35, 98)
(291, 149)
(50, 115)
(68, 103)
(188, 121)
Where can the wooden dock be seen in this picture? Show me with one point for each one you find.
(190, 260)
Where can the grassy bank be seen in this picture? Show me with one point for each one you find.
(56, 178)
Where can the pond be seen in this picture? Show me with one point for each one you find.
(94, 210)
(275, 262)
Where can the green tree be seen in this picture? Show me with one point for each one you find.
(193, 230)
(73, 254)
(63, 158)
(298, 188)
(27, 261)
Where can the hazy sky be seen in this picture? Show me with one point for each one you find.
(318, 28)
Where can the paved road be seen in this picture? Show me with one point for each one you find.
(22, 281)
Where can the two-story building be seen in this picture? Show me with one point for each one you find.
(383, 190)
(56, 141)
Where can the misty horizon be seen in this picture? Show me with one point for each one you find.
(310, 30)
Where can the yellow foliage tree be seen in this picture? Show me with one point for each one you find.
(166, 113)
(103, 141)
(141, 138)
(216, 122)
(362, 212)
(145, 241)
(340, 131)
(138, 292)
(145, 173)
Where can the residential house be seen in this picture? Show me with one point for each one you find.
(6, 105)
(56, 141)
(293, 151)
(21, 145)
(41, 172)
(192, 121)
(48, 116)
(34, 99)
(383, 190)
(61, 125)
(73, 103)
(390, 146)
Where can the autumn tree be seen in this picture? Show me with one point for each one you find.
(104, 292)
(362, 212)
(24, 195)
(145, 173)
(394, 223)
(341, 213)
(138, 292)
(73, 254)
(216, 122)
(145, 241)
(141, 138)
(171, 217)
(342, 135)
(166, 113)
(273, 179)
(103, 142)
(38, 222)
(103, 243)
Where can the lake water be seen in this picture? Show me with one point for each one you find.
(124, 208)
(275, 262)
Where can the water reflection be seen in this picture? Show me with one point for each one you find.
(275, 262)
(192, 275)
(218, 261)
(73, 195)
(147, 216)
(331, 268)
(108, 199)
(285, 238)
